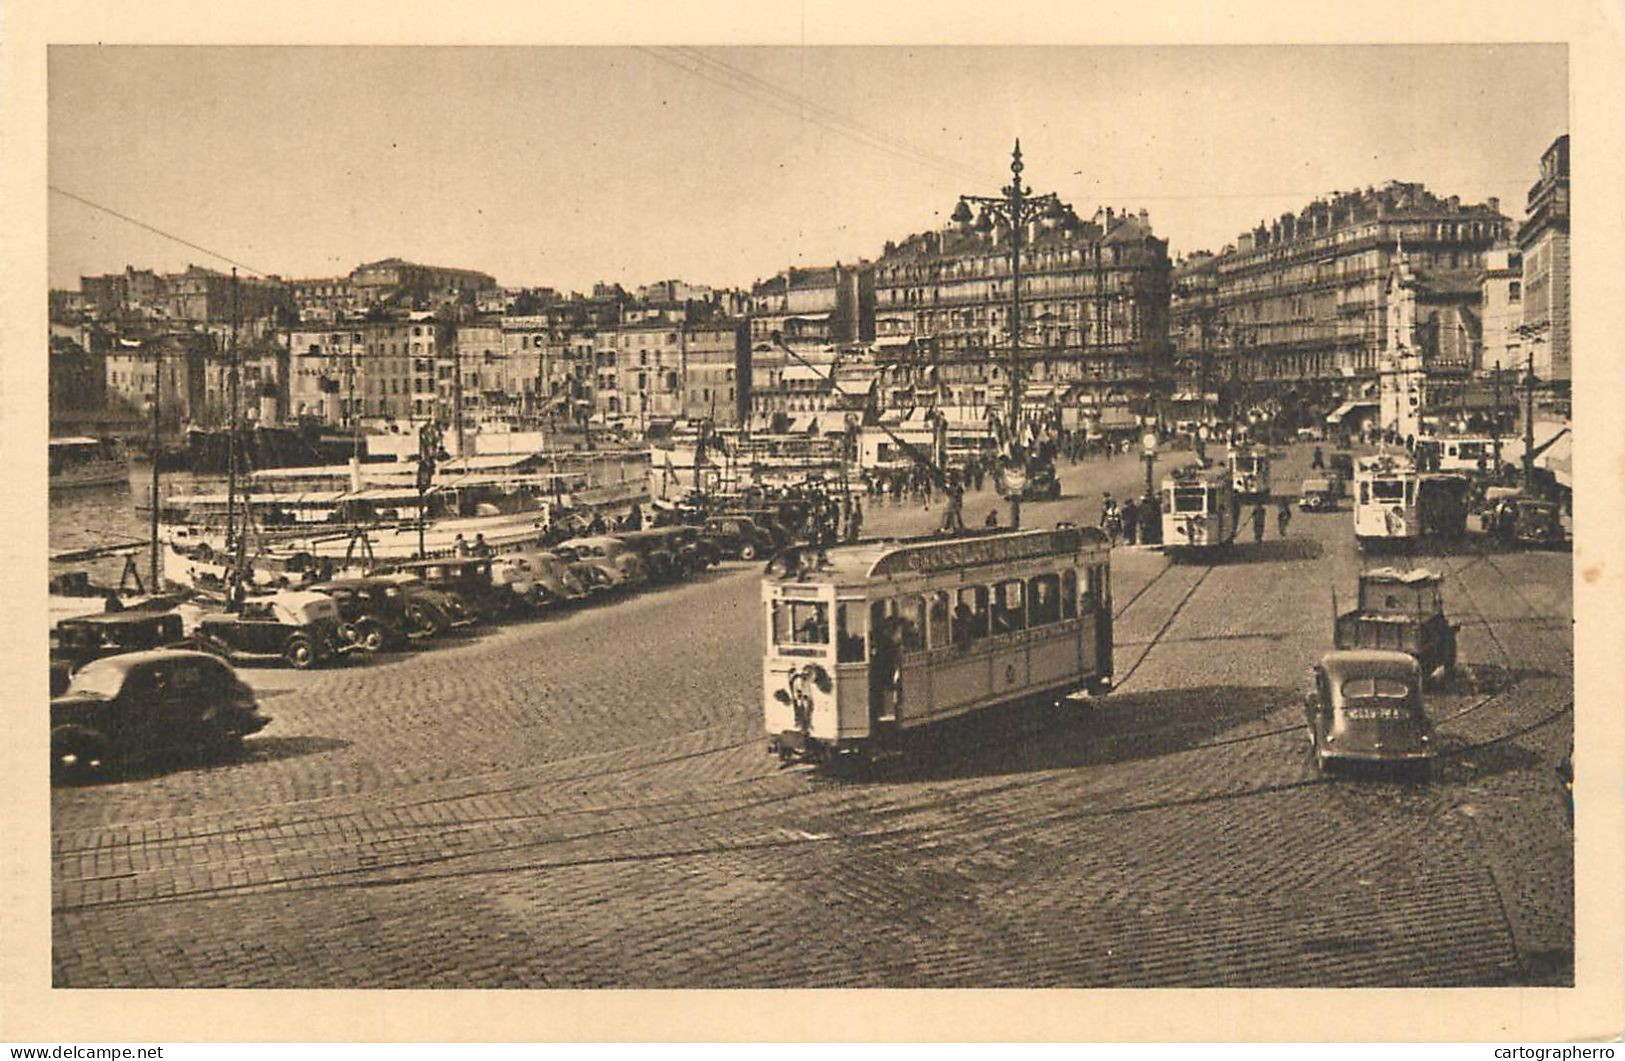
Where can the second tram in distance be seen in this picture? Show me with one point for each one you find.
(1250, 472)
(874, 639)
(1198, 511)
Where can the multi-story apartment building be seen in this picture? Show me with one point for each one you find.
(1094, 310)
(814, 307)
(204, 295)
(372, 370)
(323, 299)
(1304, 298)
(408, 285)
(1544, 240)
(1500, 301)
(716, 371)
(168, 365)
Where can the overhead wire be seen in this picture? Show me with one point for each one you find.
(156, 230)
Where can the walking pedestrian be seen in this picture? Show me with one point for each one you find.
(480, 546)
(1283, 516)
(1258, 523)
(954, 519)
(1318, 462)
(460, 546)
(854, 522)
(1131, 522)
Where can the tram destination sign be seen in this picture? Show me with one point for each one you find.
(975, 552)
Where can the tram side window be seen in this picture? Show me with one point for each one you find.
(1365, 492)
(1410, 491)
(911, 613)
(849, 624)
(1069, 594)
(1044, 595)
(800, 623)
(970, 616)
(1009, 609)
(937, 632)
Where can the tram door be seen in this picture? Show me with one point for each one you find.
(1096, 607)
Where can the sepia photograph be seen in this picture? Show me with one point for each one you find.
(883, 516)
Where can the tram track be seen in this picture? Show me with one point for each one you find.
(935, 796)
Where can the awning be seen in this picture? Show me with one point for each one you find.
(1336, 415)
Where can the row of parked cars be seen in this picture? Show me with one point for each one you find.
(129, 683)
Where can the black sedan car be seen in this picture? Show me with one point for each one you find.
(298, 627)
(89, 637)
(122, 710)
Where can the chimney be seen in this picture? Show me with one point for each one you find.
(1495, 205)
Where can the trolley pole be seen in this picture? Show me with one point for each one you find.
(1529, 421)
(1016, 208)
(157, 452)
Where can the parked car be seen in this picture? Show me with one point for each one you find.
(611, 556)
(467, 576)
(1318, 495)
(1366, 706)
(555, 580)
(1524, 520)
(430, 610)
(738, 537)
(76, 642)
(372, 609)
(659, 552)
(298, 626)
(122, 710)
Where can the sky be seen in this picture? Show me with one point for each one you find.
(565, 166)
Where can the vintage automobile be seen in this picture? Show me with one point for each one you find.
(1400, 611)
(556, 580)
(1523, 520)
(1318, 495)
(121, 710)
(661, 553)
(469, 577)
(612, 556)
(1042, 483)
(372, 611)
(693, 549)
(430, 610)
(76, 642)
(739, 537)
(298, 626)
(1366, 706)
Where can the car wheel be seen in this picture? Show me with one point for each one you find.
(299, 652)
(78, 755)
(747, 551)
(370, 635)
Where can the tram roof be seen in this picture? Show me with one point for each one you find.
(875, 559)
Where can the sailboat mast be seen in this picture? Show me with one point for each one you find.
(231, 426)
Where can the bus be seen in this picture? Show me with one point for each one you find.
(869, 641)
(1385, 501)
(1250, 473)
(1198, 511)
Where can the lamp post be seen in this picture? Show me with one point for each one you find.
(1016, 208)
(1149, 442)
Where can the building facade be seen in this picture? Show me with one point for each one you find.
(1500, 300)
(716, 371)
(1544, 241)
(1304, 298)
(1095, 300)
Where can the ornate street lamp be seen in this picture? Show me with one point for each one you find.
(1016, 208)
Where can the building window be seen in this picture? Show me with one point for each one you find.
(1514, 291)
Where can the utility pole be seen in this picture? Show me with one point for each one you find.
(1495, 421)
(157, 398)
(231, 428)
(1529, 420)
(1017, 207)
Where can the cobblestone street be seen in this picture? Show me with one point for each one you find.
(585, 800)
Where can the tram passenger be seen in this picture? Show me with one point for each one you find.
(992, 518)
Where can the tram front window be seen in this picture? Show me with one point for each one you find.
(1190, 499)
(1388, 489)
(800, 623)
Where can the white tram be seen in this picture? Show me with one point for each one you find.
(1250, 472)
(1198, 510)
(1458, 453)
(1385, 501)
(880, 638)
